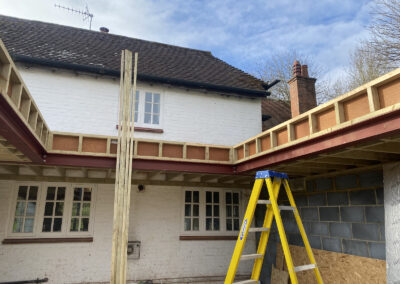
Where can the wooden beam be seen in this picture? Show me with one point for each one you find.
(171, 176)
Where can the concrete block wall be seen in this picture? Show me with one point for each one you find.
(342, 214)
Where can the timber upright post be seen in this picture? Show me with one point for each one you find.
(123, 170)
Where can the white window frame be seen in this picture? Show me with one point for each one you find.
(202, 214)
(141, 108)
(39, 214)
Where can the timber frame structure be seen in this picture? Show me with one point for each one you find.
(357, 131)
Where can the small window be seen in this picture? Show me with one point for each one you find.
(212, 211)
(82, 198)
(191, 220)
(25, 209)
(152, 108)
(53, 209)
(232, 211)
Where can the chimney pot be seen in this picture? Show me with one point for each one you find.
(104, 30)
(304, 71)
(296, 68)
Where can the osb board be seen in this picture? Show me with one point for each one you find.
(66, 143)
(196, 152)
(326, 119)
(147, 149)
(336, 268)
(265, 142)
(218, 154)
(94, 145)
(252, 148)
(356, 107)
(282, 137)
(301, 129)
(172, 151)
(389, 94)
(279, 276)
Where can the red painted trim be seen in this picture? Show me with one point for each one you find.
(208, 238)
(146, 129)
(373, 128)
(18, 134)
(46, 240)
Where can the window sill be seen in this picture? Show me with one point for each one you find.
(46, 240)
(208, 238)
(146, 129)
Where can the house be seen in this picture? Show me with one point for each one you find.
(198, 143)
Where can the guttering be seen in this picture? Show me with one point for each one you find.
(142, 77)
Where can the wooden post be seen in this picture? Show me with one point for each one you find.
(123, 171)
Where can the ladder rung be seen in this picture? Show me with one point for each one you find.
(263, 202)
(251, 256)
(284, 207)
(262, 229)
(250, 281)
(304, 267)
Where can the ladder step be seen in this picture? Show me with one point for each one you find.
(251, 256)
(259, 229)
(263, 201)
(304, 267)
(284, 207)
(250, 281)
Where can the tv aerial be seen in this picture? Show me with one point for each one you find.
(87, 16)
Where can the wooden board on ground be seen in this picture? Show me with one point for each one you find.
(279, 276)
(337, 268)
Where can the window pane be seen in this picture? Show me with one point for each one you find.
(228, 197)
(30, 209)
(156, 98)
(46, 225)
(216, 210)
(208, 196)
(216, 197)
(196, 196)
(85, 224)
(196, 224)
(51, 192)
(188, 196)
(20, 210)
(17, 227)
(208, 224)
(235, 198)
(86, 209)
(22, 192)
(87, 196)
(156, 119)
(74, 224)
(78, 194)
(136, 116)
(208, 210)
(76, 208)
(28, 225)
(147, 107)
(48, 209)
(236, 224)
(156, 108)
(228, 211)
(195, 210)
(61, 193)
(59, 209)
(57, 224)
(187, 209)
(148, 97)
(147, 118)
(229, 224)
(216, 224)
(33, 193)
(235, 211)
(187, 224)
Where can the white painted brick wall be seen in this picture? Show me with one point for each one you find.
(84, 104)
(155, 221)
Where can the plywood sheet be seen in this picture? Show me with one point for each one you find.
(172, 151)
(252, 148)
(282, 137)
(65, 143)
(147, 149)
(196, 152)
(94, 145)
(218, 154)
(356, 107)
(389, 94)
(326, 119)
(240, 152)
(279, 276)
(301, 129)
(265, 142)
(337, 268)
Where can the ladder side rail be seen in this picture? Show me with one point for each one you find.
(244, 229)
(303, 232)
(263, 242)
(282, 234)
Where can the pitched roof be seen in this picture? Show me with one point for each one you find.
(74, 48)
(278, 110)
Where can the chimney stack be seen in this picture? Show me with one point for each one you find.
(302, 90)
(104, 30)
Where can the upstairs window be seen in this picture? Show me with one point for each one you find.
(147, 109)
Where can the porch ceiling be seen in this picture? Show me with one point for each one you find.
(9, 152)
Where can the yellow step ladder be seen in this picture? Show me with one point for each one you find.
(273, 181)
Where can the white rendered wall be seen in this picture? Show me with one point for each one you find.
(85, 104)
(156, 219)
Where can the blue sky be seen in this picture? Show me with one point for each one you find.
(243, 33)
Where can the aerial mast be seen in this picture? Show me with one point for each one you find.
(85, 13)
